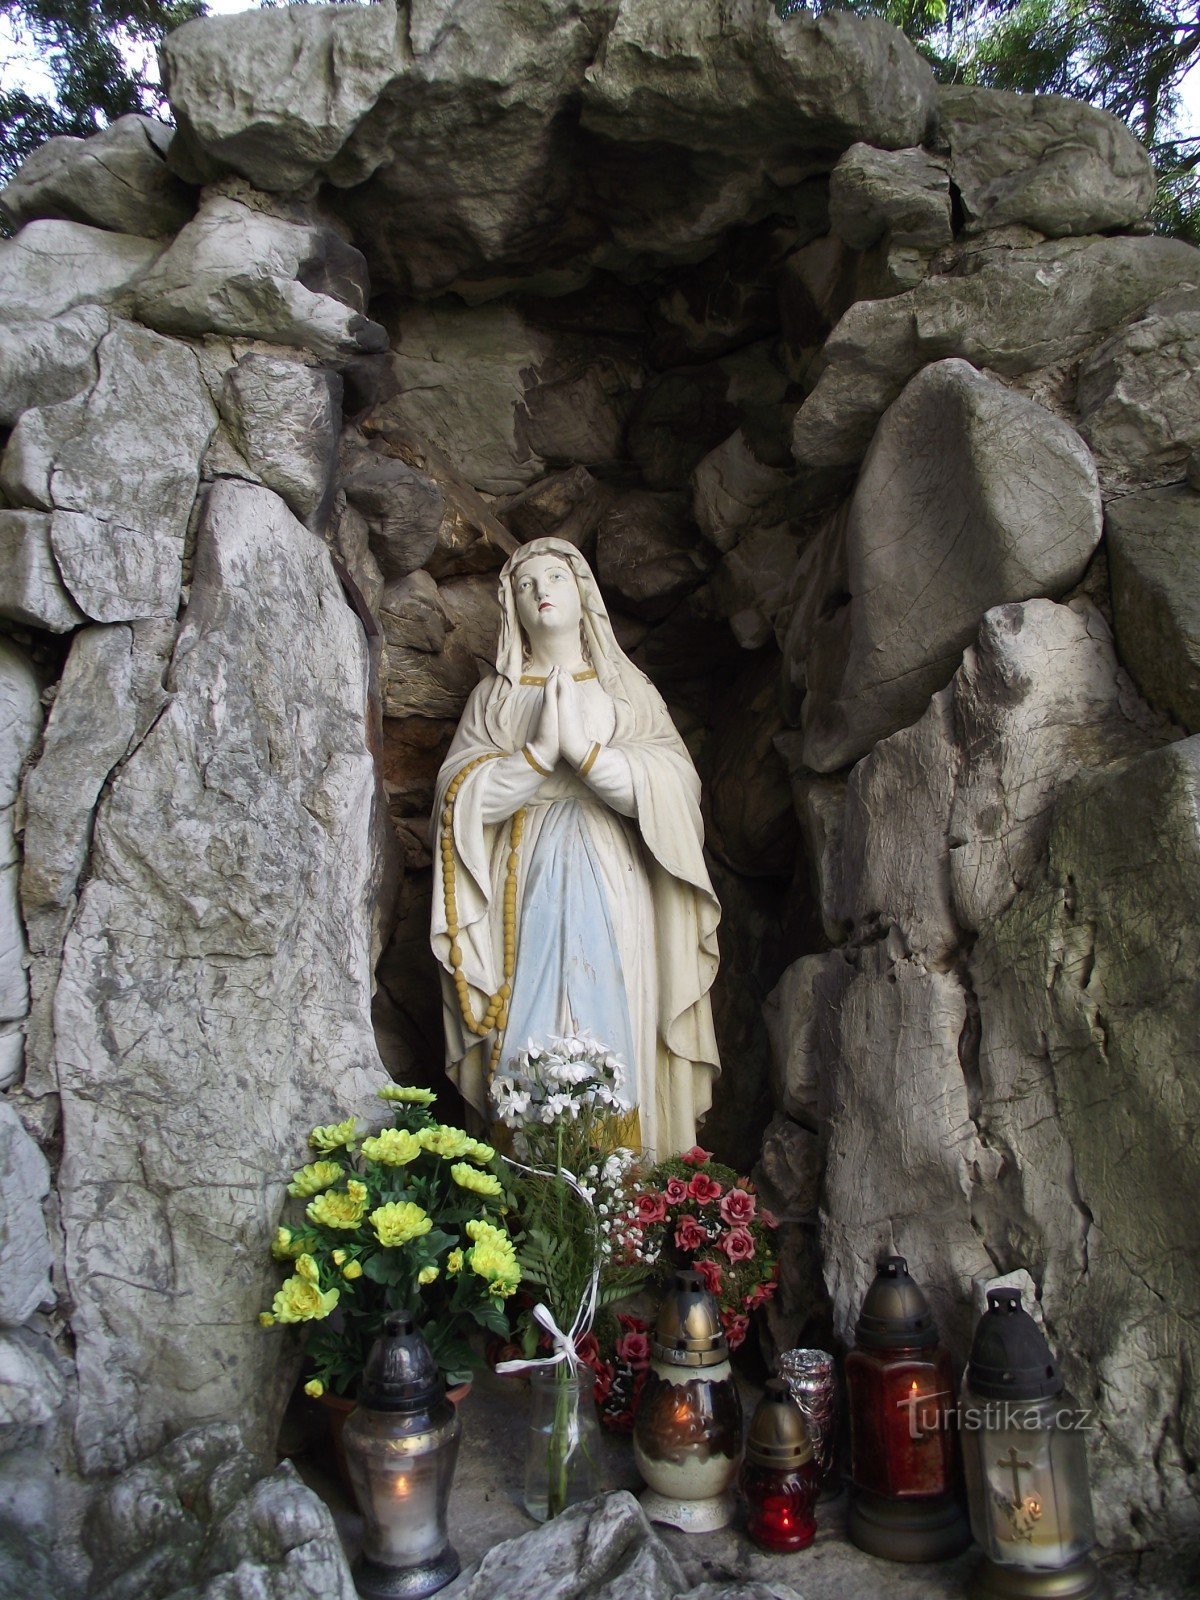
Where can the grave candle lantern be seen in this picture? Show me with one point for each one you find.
(780, 1477)
(401, 1446)
(1026, 1464)
(904, 1502)
(687, 1440)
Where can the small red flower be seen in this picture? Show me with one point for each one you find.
(632, 1324)
(635, 1349)
(651, 1208)
(710, 1271)
(689, 1235)
(759, 1295)
(675, 1191)
(587, 1348)
(736, 1327)
(703, 1189)
(695, 1157)
(738, 1244)
(768, 1218)
(738, 1206)
(604, 1380)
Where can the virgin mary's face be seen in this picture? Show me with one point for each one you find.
(547, 596)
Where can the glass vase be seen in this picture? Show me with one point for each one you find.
(562, 1452)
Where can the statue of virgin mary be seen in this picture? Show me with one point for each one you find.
(570, 890)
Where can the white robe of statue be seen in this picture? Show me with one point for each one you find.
(611, 914)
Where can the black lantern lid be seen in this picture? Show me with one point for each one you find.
(779, 1435)
(688, 1331)
(400, 1374)
(1010, 1359)
(895, 1314)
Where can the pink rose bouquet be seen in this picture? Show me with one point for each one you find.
(694, 1212)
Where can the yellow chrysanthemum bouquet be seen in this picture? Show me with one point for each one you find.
(412, 1218)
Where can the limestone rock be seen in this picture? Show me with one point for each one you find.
(31, 1510)
(1087, 988)
(705, 77)
(733, 490)
(279, 130)
(942, 528)
(731, 299)
(894, 1064)
(683, 415)
(31, 1384)
(50, 267)
(648, 553)
(415, 480)
(201, 1519)
(352, 540)
(31, 586)
(500, 397)
(257, 974)
(752, 585)
(24, 1246)
(603, 1549)
(901, 194)
(20, 725)
(117, 179)
(1014, 311)
(794, 1031)
(403, 509)
(242, 272)
(1154, 559)
(897, 876)
(1138, 406)
(750, 823)
(1057, 164)
(788, 1174)
(439, 642)
(1037, 700)
(567, 504)
(118, 536)
(46, 361)
(284, 417)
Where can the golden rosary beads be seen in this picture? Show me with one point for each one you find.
(496, 1015)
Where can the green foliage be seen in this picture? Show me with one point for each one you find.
(1125, 56)
(79, 44)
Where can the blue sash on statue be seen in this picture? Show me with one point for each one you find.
(568, 971)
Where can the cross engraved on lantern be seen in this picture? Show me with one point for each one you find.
(1023, 1512)
(1016, 1466)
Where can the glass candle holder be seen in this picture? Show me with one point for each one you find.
(687, 1439)
(401, 1444)
(779, 1476)
(1026, 1463)
(904, 1502)
(562, 1449)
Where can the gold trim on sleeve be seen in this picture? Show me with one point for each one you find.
(589, 761)
(534, 762)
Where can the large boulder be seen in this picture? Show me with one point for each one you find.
(971, 496)
(1087, 989)
(49, 359)
(50, 267)
(117, 179)
(1153, 544)
(20, 727)
(241, 271)
(1013, 310)
(118, 467)
(1055, 164)
(900, 195)
(1138, 406)
(202, 1518)
(706, 75)
(500, 397)
(284, 417)
(257, 976)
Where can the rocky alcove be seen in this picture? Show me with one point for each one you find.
(873, 405)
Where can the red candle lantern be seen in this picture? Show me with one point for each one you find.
(904, 1470)
(780, 1476)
